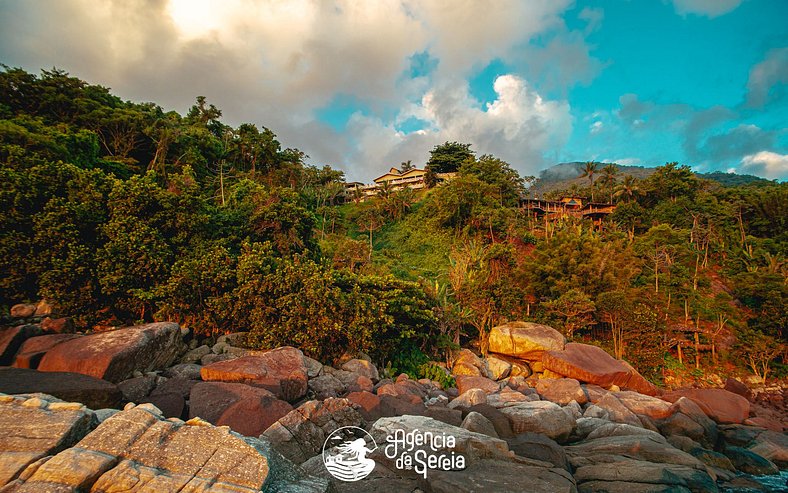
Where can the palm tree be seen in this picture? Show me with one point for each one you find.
(589, 170)
(629, 188)
(608, 178)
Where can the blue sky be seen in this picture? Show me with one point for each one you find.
(363, 86)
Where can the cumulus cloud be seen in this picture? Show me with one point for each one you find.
(766, 163)
(707, 8)
(768, 78)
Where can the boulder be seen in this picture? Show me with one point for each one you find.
(12, 338)
(115, 355)
(648, 448)
(73, 387)
(62, 325)
(43, 309)
(444, 414)
(362, 367)
(245, 409)
(467, 363)
(687, 419)
(313, 367)
(196, 354)
(497, 368)
(586, 363)
(282, 371)
(498, 419)
(137, 388)
(720, 405)
(469, 398)
(32, 350)
(183, 370)
(23, 310)
(772, 446)
(473, 446)
(325, 386)
(735, 386)
(616, 411)
(34, 427)
(367, 403)
(542, 417)
(508, 397)
(136, 450)
(180, 386)
(652, 407)
(465, 383)
(477, 423)
(631, 475)
(352, 381)
(525, 340)
(301, 433)
(749, 462)
(170, 404)
(637, 382)
(539, 447)
(619, 429)
(498, 475)
(561, 391)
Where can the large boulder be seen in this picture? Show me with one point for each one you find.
(525, 340)
(11, 339)
(586, 363)
(466, 383)
(749, 462)
(136, 450)
(542, 417)
(362, 367)
(75, 387)
(561, 390)
(773, 446)
(688, 420)
(498, 475)
(539, 447)
(115, 355)
(282, 371)
(34, 427)
(23, 310)
(616, 411)
(637, 382)
(32, 350)
(719, 404)
(649, 406)
(245, 409)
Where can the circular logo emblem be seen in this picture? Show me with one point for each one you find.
(345, 453)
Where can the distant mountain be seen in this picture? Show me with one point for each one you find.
(563, 175)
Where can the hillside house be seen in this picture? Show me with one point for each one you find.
(551, 210)
(394, 180)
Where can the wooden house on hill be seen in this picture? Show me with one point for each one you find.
(551, 210)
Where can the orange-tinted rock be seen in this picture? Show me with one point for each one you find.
(719, 404)
(245, 409)
(115, 355)
(768, 423)
(465, 383)
(587, 364)
(12, 338)
(58, 325)
(561, 391)
(72, 387)
(282, 371)
(23, 310)
(524, 340)
(33, 349)
(643, 404)
(735, 386)
(637, 382)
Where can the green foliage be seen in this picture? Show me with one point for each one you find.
(448, 157)
(437, 374)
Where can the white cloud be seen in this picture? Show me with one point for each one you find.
(766, 163)
(767, 77)
(596, 127)
(708, 8)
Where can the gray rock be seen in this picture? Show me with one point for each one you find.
(189, 371)
(469, 398)
(539, 447)
(73, 387)
(325, 386)
(136, 389)
(749, 462)
(500, 476)
(542, 417)
(477, 423)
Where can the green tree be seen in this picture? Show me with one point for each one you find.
(449, 156)
(575, 309)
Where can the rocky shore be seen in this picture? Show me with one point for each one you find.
(152, 408)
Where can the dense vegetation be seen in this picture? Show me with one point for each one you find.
(121, 212)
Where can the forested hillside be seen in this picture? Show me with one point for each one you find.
(118, 212)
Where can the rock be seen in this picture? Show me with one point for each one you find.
(33, 432)
(749, 462)
(368, 404)
(445, 415)
(23, 310)
(196, 354)
(690, 421)
(114, 355)
(362, 367)
(735, 386)
(466, 363)
(135, 450)
(73, 387)
(313, 367)
(498, 419)
(473, 446)
(301, 433)
(137, 388)
(184, 370)
(745, 485)
(497, 368)
(769, 424)
(497, 475)
(587, 364)
(33, 349)
(211, 358)
(594, 411)
(574, 409)
(245, 409)
(617, 411)
(180, 386)
(739, 435)
(594, 392)
(636, 382)
(477, 423)
(232, 339)
(772, 446)
(648, 447)
(465, 383)
(619, 429)
(652, 407)
(353, 382)
(170, 404)
(542, 417)
(525, 340)
(539, 447)
(508, 397)
(561, 391)
(469, 398)
(12, 338)
(720, 405)
(58, 325)
(585, 426)
(281, 370)
(43, 309)
(631, 475)
(326, 386)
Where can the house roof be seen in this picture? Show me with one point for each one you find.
(394, 173)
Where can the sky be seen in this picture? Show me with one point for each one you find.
(365, 85)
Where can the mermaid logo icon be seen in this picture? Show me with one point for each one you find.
(344, 453)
